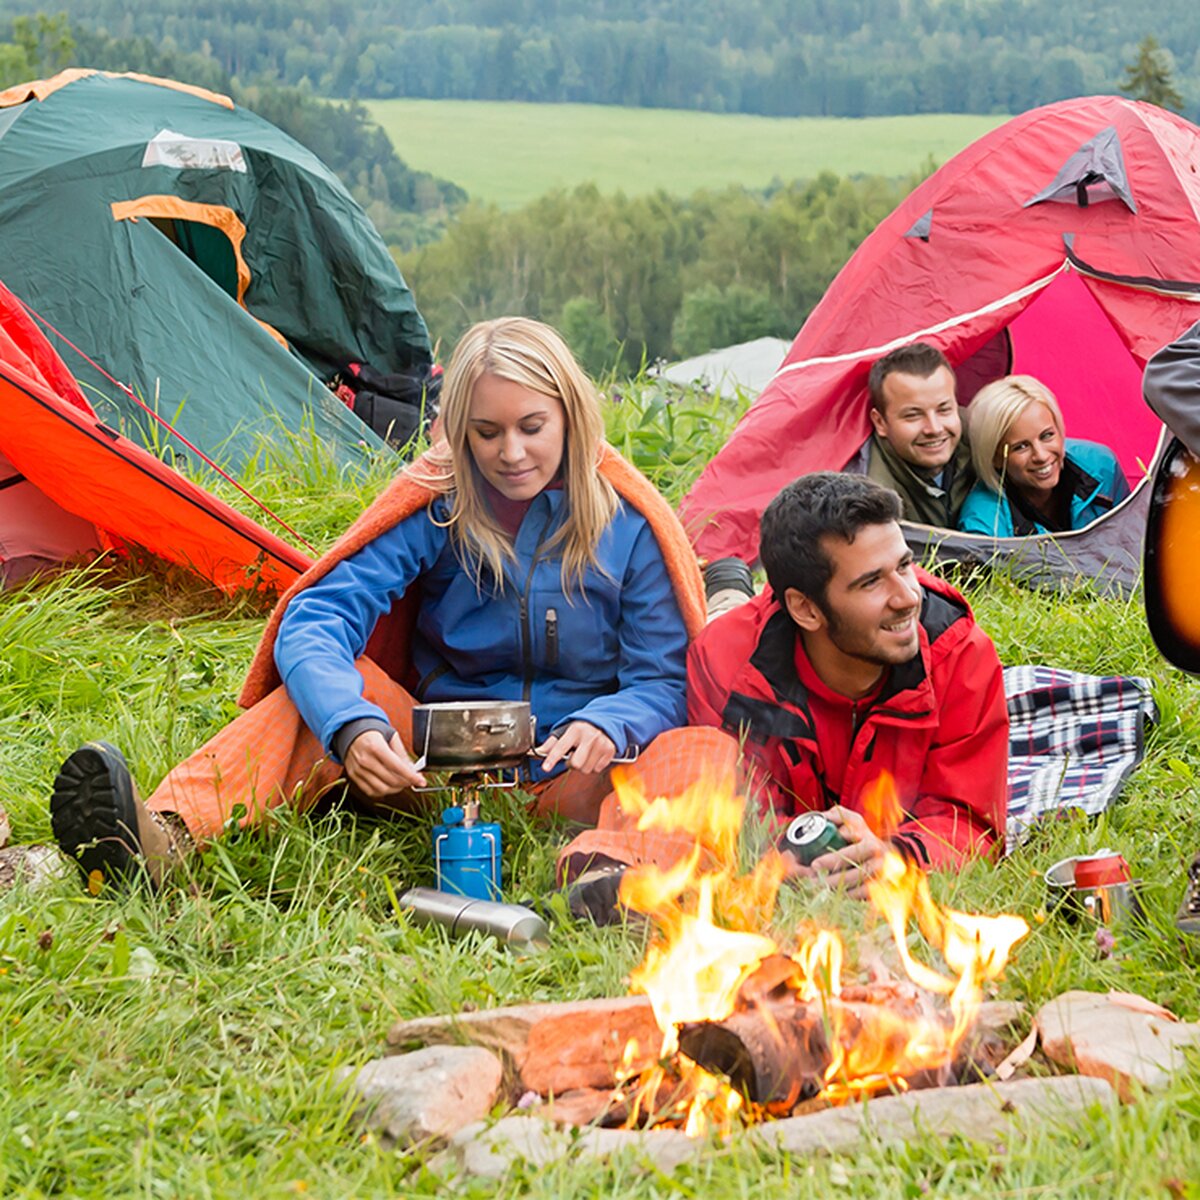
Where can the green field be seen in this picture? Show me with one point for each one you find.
(510, 154)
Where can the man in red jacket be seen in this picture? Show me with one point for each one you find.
(853, 669)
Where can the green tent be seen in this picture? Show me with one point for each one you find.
(201, 257)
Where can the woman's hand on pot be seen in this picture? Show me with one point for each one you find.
(379, 767)
(591, 749)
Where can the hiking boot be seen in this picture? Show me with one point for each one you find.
(593, 896)
(101, 824)
(1187, 920)
(727, 584)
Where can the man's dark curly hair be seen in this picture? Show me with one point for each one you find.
(805, 511)
(917, 358)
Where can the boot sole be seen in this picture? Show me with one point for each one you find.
(93, 815)
(594, 897)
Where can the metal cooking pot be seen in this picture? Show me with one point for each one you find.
(473, 735)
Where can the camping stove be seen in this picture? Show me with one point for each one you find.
(468, 852)
(483, 745)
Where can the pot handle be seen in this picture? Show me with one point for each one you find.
(630, 755)
(502, 726)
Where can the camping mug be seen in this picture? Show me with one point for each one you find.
(1102, 902)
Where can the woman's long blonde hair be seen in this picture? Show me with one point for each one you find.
(527, 352)
(991, 414)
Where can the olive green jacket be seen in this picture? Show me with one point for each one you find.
(923, 501)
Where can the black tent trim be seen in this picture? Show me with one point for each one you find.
(1167, 287)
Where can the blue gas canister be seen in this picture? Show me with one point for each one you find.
(467, 856)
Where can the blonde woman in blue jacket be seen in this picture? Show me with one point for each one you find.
(1032, 478)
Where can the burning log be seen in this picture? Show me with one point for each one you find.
(783, 1052)
(775, 1054)
(797, 1027)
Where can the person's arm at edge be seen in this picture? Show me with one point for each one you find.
(1171, 387)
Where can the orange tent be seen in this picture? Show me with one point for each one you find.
(70, 485)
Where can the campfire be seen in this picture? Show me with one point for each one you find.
(753, 1028)
(733, 1021)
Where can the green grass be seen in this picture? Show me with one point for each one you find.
(186, 1044)
(510, 153)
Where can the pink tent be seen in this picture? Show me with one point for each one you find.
(1065, 244)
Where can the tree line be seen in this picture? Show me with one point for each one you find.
(634, 279)
(773, 57)
(407, 206)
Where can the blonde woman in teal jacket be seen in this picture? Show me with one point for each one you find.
(1033, 479)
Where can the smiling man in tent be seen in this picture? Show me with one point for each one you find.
(918, 448)
(860, 686)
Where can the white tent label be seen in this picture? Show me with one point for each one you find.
(170, 149)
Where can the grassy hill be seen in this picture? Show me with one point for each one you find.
(510, 153)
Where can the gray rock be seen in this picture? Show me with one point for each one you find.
(999, 1016)
(431, 1093)
(34, 866)
(489, 1151)
(1125, 1039)
(984, 1111)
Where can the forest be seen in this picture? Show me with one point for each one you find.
(773, 57)
(633, 279)
(629, 279)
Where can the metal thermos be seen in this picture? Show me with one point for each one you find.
(513, 924)
(467, 854)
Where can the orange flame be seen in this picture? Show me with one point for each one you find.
(881, 806)
(711, 934)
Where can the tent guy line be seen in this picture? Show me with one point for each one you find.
(170, 428)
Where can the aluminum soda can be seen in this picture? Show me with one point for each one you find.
(810, 835)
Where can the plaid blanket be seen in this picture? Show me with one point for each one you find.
(1073, 740)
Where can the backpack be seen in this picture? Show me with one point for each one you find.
(396, 406)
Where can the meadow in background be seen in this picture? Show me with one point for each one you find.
(508, 153)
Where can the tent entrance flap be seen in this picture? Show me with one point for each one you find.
(210, 235)
(173, 217)
(207, 247)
